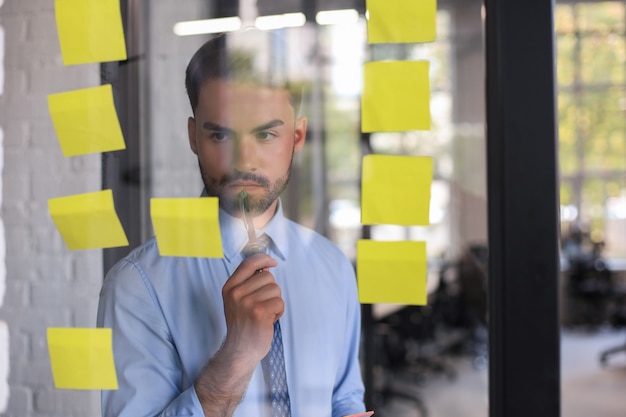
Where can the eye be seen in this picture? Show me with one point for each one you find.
(218, 136)
(265, 135)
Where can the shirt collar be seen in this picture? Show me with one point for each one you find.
(235, 237)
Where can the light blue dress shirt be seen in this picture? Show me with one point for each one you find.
(168, 321)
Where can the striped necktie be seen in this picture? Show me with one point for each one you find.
(274, 363)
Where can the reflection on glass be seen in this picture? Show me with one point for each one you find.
(422, 348)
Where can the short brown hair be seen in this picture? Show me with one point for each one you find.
(214, 60)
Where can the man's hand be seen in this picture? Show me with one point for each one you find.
(252, 303)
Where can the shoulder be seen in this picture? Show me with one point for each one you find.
(132, 269)
(144, 254)
(144, 268)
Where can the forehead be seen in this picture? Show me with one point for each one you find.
(228, 97)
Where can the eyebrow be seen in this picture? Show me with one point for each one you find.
(215, 126)
(268, 125)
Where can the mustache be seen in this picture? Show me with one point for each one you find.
(244, 176)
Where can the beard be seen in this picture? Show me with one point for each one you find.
(229, 201)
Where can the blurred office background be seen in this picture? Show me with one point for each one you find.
(429, 360)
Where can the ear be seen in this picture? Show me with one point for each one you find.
(299, 134)
(191, 131)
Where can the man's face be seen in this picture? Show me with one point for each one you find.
(245, 138)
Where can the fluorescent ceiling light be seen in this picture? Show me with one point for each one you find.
(199, 27)
(335, 17)
(278, 21)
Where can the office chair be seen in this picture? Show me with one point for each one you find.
(590, 288)
(397, 376)
(618, 320)
(460, 301)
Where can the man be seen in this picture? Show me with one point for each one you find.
(190, 334)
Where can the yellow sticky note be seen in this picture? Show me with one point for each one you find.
(401, 21)
(396, 190)
(187, 226)
(88, 221)
(85, 121)
(391, 272)
(396, 96)
(90, 31)
(82, 358)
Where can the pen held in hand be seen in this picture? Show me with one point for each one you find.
(253, 246)
(244, 208)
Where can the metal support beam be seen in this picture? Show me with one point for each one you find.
(123, 171)
(523, 210)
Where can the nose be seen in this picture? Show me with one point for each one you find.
(245, 155)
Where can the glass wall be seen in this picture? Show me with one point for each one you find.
(417, 350)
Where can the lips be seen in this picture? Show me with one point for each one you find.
(244, 184)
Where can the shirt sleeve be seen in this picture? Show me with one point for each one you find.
(146, 361)
(349, 390)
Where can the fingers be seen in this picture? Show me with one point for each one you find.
(240, 288)
(265, 303)
(252, 303)
(257, 289)
(253, 288)
(251, 266)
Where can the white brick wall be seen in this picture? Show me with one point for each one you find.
(4, 331)
(46, 284)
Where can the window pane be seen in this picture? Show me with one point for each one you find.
(615, 236)
(593, 208)
(602, 59)
(569, 212)
(566, 59)
(604, 214)
(564, 18)
(603, 128)
(601, 17)
(565, 193)
(568, 159)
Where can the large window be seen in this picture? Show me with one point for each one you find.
(591, 72)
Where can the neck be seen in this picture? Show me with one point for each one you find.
(263, 219)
